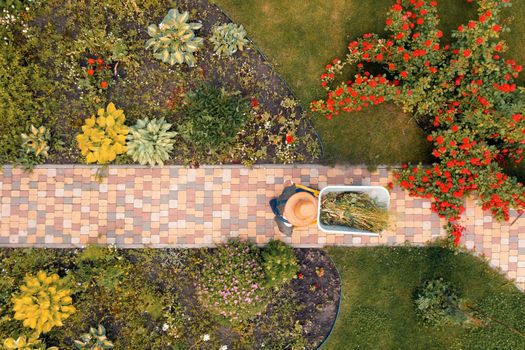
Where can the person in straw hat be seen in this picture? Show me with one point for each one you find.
(296, 206)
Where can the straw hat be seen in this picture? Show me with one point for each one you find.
(301, 209)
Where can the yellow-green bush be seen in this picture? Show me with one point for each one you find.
(25, 343)
(43, 302)
(104, 137)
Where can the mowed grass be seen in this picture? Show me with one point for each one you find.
(301, 37)
(377, 311)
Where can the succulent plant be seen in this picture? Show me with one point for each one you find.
(228, 38)
(104, 137)
(173, 40)
(43, 302)
(150, 142)
(94, 340)
(36, 141)
(25, 343)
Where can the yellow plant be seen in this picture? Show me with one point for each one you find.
(104, 137)
(25, 343)
(43, 302)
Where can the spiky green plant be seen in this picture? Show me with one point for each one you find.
(26, 343)
(36, 142)
(173, 40)
(43, 302)
(150, 142)
(228, 38)
(94, 340)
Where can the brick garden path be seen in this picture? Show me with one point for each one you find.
(63, 206)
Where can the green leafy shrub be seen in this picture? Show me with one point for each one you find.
(279, 263)
(103, 267)
(173, 40)
(94, 340)
(438, 303)
(150, 142)
(20, 99)
(14, 6)
(211, 120)
(43, 302)
(228, 38)
(26, 343)
(231, 282)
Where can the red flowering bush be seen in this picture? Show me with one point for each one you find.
(465, 90)
(98, 74)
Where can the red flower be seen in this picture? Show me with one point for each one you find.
(90, 72)
(103, 84)
(100, 61)
(397, 7)
(429, 138)
(300, 275)
(439, 140)
(496, 28)
(254, 103)
(289, 139)
(455, 128)
(91, 61)
(467, 53)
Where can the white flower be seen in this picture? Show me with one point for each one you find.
(165, 327)
(206, 337)
(224, 347)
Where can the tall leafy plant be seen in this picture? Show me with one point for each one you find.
(211, 120)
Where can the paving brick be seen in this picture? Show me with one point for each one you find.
(177, 206)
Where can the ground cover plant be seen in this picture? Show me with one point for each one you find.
(465, 93)
(220, 298)
(63, 60)
(473, 306)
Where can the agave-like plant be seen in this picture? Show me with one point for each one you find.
(150, 141)
(94, 340)
(228, 38)
(173, 40)
(26, 343)
(36, 142)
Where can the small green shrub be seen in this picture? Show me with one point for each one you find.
(103, 267)
(173, 40)
(231, 282)
(438, 303)
(212, 118)
(228, 38)
(43, 302)
(280, 263)
(150, 142)
(14, 6)
(94, 340)
(21, 99)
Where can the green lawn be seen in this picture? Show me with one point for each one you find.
(300, 37)
(377, 311)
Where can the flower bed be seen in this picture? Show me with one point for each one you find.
(465, 92)
(64, 61)
(169, 298)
